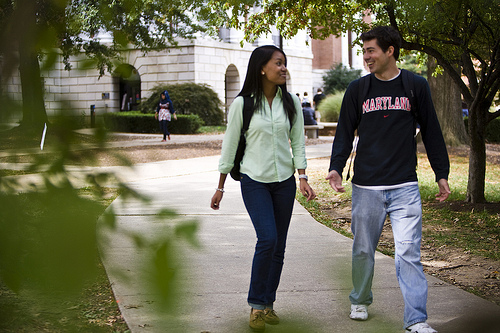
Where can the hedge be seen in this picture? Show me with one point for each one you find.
(137, 122)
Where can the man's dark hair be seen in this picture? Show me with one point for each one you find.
(386, 36)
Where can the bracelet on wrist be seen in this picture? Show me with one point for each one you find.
(303, 177)
(220, 190)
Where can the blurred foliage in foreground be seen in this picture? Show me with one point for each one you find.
(50, 248)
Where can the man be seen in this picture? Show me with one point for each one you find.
(385, 179)
(318, 98)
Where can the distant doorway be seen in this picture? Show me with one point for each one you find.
(129, 82)
(232, 86)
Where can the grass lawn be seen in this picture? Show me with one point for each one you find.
(458, 228)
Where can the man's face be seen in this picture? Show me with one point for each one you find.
(376, 59)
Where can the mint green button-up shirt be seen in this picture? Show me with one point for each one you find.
(273, 149)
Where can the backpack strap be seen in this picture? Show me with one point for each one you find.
(247, 112)
(364, 85)
(409, 87)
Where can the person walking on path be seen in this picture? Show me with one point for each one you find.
(318, 98)
(164, 112)
(267, 170)
(385, 180)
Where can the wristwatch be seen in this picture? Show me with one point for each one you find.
(304, 176)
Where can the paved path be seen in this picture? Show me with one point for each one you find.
(313, 294)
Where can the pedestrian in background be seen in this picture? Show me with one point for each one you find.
(305, 99)
(318, 98)
(164, 113)
(267, 180)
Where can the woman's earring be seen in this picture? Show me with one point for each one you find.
(263, 73)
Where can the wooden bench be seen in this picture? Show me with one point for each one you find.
(312, 130)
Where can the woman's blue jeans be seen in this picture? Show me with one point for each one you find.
(369, 211)
(270, 208)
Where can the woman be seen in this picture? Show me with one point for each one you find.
(268, 183)
(164, 112)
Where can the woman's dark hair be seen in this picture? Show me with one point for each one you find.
(386, 36)
(253, 80)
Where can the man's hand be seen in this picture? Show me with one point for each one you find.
(444, 190)
(335, 181)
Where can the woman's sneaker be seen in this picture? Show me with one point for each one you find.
(257, 322)
(271, 317)
(421, 328)
(358, 312)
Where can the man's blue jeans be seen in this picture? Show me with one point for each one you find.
(270, 208)
(369, 211)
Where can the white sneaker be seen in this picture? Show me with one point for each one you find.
(421, 328)
(358, 312)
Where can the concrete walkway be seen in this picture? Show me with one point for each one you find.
(313, 294)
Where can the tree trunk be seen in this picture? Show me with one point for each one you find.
(34, 113)
(448, 103)
(477, 156)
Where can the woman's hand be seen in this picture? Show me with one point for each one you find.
(216, 199)
(219, 192)
(175, 116)
(306, 190)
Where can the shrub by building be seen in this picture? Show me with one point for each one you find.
(189, 99)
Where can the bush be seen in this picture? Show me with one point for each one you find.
(137, 122)
(189, 98)
(493, 131)
(338, 78)
(492, 134)
(330, 107)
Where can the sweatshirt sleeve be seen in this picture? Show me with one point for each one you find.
(432, 135)
(346, 127)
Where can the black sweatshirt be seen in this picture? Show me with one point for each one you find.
(386, 151)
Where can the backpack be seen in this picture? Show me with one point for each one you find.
(240, 151)
(409, 87)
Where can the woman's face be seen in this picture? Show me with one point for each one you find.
(274, 71)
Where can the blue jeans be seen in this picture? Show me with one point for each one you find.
(369, 210)
(270, 208)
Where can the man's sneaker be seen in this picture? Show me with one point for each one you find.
(257, 322)
(421, 328)
(271, 317)
(358, 312)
